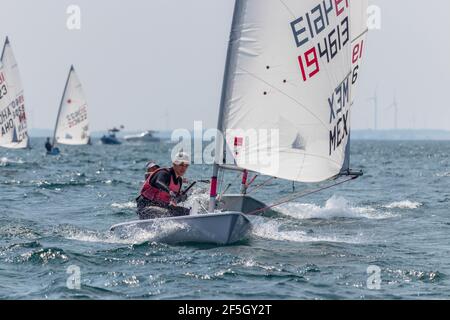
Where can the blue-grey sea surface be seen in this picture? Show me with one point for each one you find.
(383, 236)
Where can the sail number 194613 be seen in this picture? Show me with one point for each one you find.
(308, 30)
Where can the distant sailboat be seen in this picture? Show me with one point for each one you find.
(14, 133)
(72, 123)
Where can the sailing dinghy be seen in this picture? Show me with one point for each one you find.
(13, 120)
(72, 124)
(291, 69)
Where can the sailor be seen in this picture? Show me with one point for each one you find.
(150, 167)
(161, 192)
(48, 145)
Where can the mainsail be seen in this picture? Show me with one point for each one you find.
(286, 98)
(13, 120)
(289, 72)
(72, 125)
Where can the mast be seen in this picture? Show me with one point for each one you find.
(60, 105)
(4, 48)
(244, 182)
(222, 144)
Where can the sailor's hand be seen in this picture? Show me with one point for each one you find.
(173, 195)
(181, 198)
(172, 204)
(173, 198)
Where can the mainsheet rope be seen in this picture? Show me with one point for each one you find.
(301, 195)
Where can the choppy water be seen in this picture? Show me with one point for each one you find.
(55, 213)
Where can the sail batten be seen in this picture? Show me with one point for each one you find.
(72, 125)
(290, 76)
(363, 34)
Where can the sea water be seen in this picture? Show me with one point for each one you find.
(385, 235)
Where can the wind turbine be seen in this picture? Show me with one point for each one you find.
(394, 105)
(167, 118)
(375, 105)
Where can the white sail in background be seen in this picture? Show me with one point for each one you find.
(72, 125)
(6, 121)
(13, 120)
(359, 32)
(289, 71)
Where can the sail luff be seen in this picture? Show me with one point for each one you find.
(4, 48)
(220, 139)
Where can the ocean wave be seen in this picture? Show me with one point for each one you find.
(43, 184)
(443, 174)
(126, 205)
(44, 256)
(127, 236)
(5, 161)
(335, 207)
(199, 198)
(415, 275)
(272, 230)
(73, 233)
(405, 204)
(251, 263)
(11, 182)
(79, 181)
(12, 231)
(277, 270)
(8, 251)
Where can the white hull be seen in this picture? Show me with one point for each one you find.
(143, 137)
(139, 139)
(220, 229)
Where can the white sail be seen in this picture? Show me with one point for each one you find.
(359, 35)
(13, 117)
(72, 125)
(6, 122)
(289, 72)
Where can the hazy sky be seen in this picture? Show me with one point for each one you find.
(139, 59)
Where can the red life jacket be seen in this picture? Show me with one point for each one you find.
(154, 194)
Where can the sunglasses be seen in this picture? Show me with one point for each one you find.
(184, 165)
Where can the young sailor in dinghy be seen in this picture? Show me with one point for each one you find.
(161, 192)
(48, 145)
